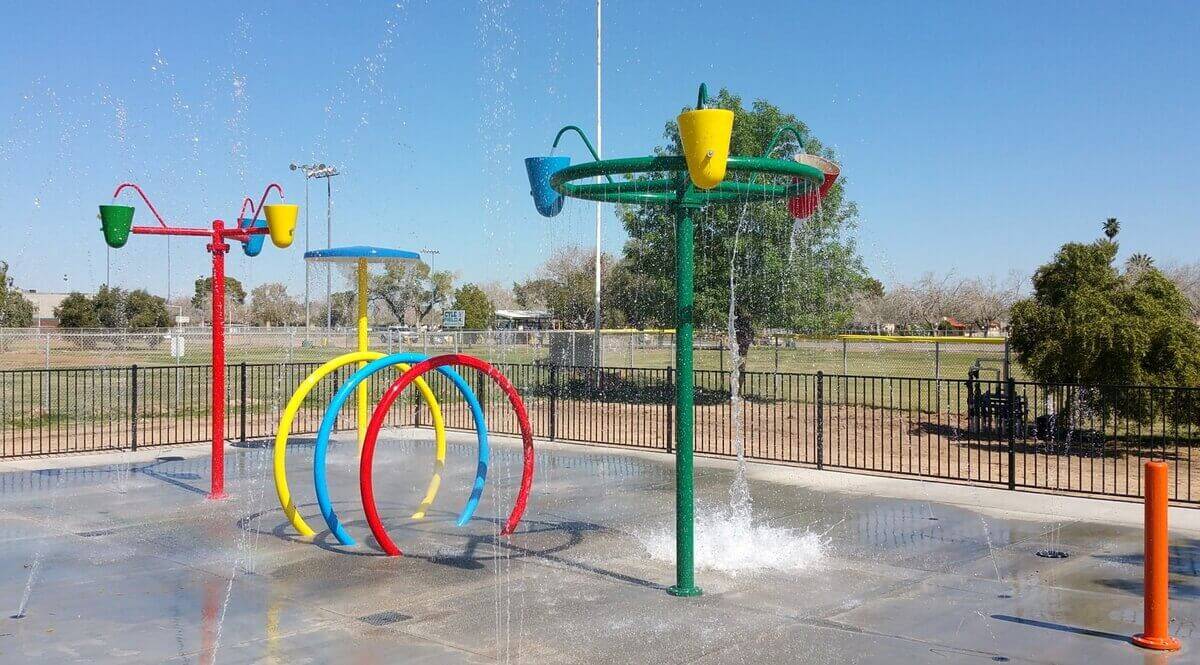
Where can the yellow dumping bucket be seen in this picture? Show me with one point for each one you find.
(281, 221)
(705, 134)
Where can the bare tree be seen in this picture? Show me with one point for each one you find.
(929, 301)
(500, 295)
(1187, 277)
(872, 309)
(563, 285)
(985, 302)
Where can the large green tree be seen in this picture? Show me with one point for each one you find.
(76, 311)
(15, 309)
(234, 292)
(477, 306)
(344, 311)
(143, 310)
(115, 308)
(270, 305)
(800, 276)
(1089, 323)
(403, 287)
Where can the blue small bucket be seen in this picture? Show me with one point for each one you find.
(547, 201)
(254, 245)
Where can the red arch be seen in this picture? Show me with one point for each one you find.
(368, 451)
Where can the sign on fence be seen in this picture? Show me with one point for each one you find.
(454, 318)
(178, 345)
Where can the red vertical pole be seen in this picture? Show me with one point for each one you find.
(218, 248)
(1157, 564)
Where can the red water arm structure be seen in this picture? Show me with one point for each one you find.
(217, 246)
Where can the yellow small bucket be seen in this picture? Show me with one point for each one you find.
(705, 134)
(281, 221)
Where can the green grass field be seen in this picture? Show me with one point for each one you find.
(805, 356)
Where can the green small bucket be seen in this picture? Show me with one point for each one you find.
(116, 221)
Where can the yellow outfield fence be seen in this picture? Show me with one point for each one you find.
(923, 339)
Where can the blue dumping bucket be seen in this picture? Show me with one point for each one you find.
(547, 201)
(254, 245)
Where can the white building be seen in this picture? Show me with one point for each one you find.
(44, 304)
(523, 319)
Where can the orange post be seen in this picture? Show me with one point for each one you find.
(1157, 633)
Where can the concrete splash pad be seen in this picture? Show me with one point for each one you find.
(120, 559)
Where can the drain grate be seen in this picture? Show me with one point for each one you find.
(384, 618)
(1052, 554)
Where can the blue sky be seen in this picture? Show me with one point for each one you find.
(976, 137)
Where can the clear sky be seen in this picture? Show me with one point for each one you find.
(976, 137)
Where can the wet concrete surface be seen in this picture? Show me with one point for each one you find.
(120, 559)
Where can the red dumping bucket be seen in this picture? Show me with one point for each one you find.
(804, 205)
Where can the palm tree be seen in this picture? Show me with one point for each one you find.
(1139, 263)
(1111, 228)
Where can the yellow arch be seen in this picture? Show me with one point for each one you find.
(297, 400)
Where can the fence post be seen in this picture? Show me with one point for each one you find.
(242, 415)
(46, 383)
(133, 408)
(1007, 359)
(845, 356)
(1010, 390)
(937, 374)
(821, 419)
(416, 400)
(670, 407)
(553, 402)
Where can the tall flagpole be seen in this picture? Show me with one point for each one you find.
(600, 152)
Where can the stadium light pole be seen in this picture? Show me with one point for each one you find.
(327, 173)
(432, 255)
(307, 170)
(318, 171)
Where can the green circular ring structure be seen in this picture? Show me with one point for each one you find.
(679, 190)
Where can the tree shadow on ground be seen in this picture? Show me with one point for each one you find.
(1084, 444)
(1183, 560)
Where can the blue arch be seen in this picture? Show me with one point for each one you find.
(335, 405)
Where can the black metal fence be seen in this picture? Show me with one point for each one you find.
(1079, 439)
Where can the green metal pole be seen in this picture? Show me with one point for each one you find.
(685, 580)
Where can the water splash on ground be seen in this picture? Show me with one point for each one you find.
(728, 542)
(728, 538)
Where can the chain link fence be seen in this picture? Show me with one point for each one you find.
(908, 357)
